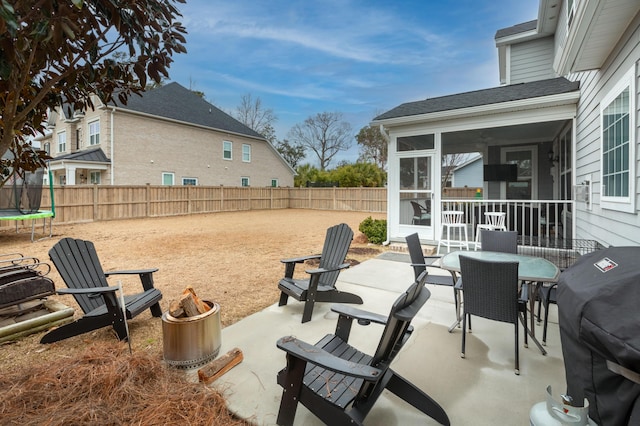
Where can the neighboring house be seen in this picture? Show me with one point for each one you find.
(566, 114)
(169, 136)
(468, 173)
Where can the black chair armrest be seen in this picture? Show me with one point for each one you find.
(458, 285)
(302, 350)
(146, 276)
(97, 290)
(301, 259)
(434, 261)
(290, 264)
(363, 317)
(328, 269)
(132, 272)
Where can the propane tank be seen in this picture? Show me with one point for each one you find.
(560, 413)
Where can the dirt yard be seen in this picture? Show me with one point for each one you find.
(230, 258)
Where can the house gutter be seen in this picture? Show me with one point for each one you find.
(521, 104)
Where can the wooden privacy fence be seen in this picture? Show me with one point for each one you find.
(90, 203)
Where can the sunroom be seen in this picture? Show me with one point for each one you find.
(524, 133)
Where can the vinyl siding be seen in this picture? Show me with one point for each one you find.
(609, 226)
(532, 61)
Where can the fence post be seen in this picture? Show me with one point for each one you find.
(335, 204)
(147, 201)
(95, 202)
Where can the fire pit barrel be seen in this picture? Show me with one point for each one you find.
(192, 341)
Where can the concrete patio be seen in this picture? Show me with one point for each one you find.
(481, 389)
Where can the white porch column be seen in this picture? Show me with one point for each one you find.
(71, 175)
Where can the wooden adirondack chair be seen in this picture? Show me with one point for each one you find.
(321, 286)
(340, 384)
(80, 269)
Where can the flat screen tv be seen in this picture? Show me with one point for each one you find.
(501, 172)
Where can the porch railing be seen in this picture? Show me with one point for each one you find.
(546, 222)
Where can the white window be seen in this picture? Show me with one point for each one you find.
(226, 150)
(168, 178)
(618, 145)
(274, 183)
(94, 178)
(190, 181)
(62, 179)
(244, 181)
(62, 142)
(246, 153)
(94, 133)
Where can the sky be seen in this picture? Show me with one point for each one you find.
(356, 57)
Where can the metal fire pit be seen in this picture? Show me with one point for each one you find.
(193, 341)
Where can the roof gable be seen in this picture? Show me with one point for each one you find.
(517, 29)
(476, 98)
(176, 102)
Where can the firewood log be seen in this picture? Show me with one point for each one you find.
(221, 365)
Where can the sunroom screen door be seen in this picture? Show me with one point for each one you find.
(416, 191)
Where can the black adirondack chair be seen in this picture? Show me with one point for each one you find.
(340, 384)
(321, 286)
(78, 264)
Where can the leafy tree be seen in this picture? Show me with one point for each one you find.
(61, 52)
(358, 174)
(251, 113)
(308, 173)
(325, 134)
(293, 154)
(373, 146)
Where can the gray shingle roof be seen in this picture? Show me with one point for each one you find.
(179, 103)
(96, 155)
(517, 29)
(494, 95)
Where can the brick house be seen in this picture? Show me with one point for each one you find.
(168, 136)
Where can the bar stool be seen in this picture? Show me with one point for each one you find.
(494, 221)
(452, 220)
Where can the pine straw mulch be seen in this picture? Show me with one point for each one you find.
(106, 385)
(231, 258)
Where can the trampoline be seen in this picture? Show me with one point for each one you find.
(20, 200)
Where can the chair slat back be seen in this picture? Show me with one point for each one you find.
(495, 219)
(490, 289)
(336, 245)
(79, 266)
(416, 254)
(501, 241)
(403, 310)
(452, 217)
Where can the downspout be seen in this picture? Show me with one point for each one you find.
(383, 132)
(111, 143)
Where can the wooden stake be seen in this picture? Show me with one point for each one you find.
(218, 367)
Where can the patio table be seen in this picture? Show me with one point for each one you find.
(532, 269)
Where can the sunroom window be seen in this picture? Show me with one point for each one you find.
(618, 146)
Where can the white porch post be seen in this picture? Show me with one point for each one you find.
(71, 175)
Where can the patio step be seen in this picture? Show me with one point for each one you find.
(402, 248)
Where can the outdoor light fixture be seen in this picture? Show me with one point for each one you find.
(553, 158)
